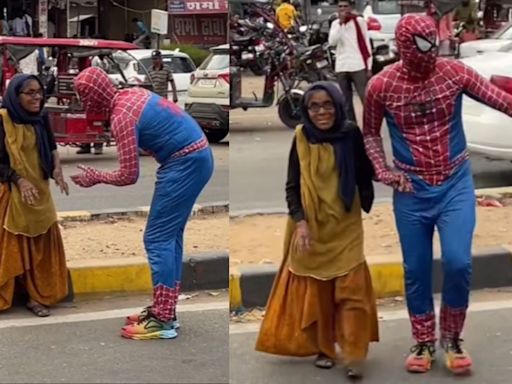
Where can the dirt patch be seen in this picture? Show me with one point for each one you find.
(259, 239)
(122, 237)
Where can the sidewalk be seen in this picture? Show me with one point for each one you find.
(256, 249)
(105, 250)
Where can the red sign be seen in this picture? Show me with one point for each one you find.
(197, 7)
(201, 30)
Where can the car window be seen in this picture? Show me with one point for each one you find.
(505, 34)
(216, 61)
(386, 7)
(176, 64)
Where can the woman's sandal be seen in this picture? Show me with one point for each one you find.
(324, 362)
(38, 309)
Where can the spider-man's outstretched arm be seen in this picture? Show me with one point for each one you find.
(482, 90)
(123, 127)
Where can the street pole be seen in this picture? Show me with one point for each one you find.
(68, 23)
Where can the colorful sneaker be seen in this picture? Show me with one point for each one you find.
(456, 358)
(136, 317)
(421, 358)
(149, 328)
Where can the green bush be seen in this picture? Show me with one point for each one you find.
(197, 54)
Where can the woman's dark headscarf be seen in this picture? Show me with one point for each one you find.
(39, 121)
(340, 136)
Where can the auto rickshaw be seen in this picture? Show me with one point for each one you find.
(70, 123)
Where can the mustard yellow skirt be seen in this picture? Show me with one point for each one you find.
(39, 262)
(307, 316)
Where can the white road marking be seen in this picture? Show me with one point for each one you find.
(103, 315)
(236, 329)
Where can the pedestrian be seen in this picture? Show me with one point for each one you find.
(467, 14)
(353, 53)
(27, 19)
(323, 292)
(4, 26)
(161, 75)
(432, 179)
(141, 119)
(286, 15)
(31, 247)
(445, 33)
(142, 34)
(19, 25)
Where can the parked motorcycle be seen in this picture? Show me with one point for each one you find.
(280, 72)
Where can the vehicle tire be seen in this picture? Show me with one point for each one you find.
(290, 116)
(216, 135)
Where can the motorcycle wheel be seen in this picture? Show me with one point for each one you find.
(289, 111)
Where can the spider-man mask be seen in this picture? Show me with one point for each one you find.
(416, 39)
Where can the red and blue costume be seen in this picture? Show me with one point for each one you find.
(420, 98)
(141, 119)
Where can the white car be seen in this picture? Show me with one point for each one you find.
(499, 40)
(382, 18)
(180, 64)
(488, 132)
(208, 95)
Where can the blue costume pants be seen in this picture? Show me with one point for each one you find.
(449, 208)
(179, 183)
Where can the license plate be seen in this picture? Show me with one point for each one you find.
(322, 64)
(207, 83)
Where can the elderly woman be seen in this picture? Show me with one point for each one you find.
(31, 247)
(141, 119)
(323, 293)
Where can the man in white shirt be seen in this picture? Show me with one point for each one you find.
(349, 35)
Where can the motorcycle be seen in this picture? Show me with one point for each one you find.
(280, 71)
(314, 64)
(250, 40)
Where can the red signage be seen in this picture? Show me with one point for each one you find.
(197, 7)
(202, 30)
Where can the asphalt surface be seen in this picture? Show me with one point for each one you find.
(487, 340)
(259, 150)
(138, 195)
(83, 345)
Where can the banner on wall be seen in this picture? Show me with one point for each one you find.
(200, 29)
(197, 7)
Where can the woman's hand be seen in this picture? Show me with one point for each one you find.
(302, 237)
(29, 193)
(58, 176)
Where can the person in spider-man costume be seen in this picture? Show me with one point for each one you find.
(421, 99)
(141, 119)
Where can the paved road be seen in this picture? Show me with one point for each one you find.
(138, 195)
(82, 345)
(259, 154)
(488, 340)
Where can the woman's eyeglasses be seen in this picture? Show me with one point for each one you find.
(327, 107)
(33, 94)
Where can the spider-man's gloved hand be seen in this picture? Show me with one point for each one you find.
(396, 180)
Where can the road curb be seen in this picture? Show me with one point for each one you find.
(489, 192)
(200, 272)
(250, 286)
(198, 210)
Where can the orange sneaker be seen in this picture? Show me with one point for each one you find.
(457, 360)
(421, 358)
